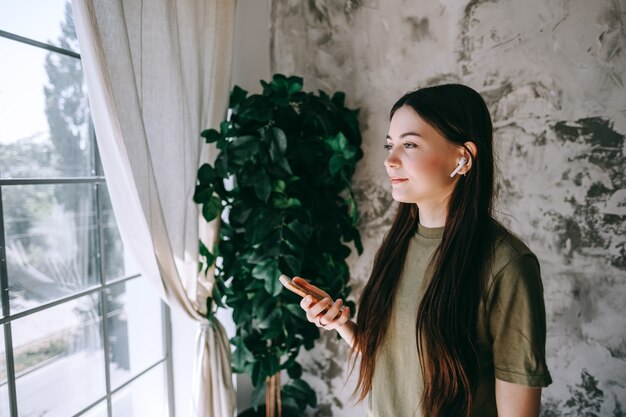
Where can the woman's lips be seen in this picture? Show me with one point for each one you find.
(398, 180)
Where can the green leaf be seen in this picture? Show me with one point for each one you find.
(211, 135)
(281, 84)
(357, 242)
(258, 373)
(202, 193)
(239, 213)
(280, 138)
(243, 141)
(336, 163)
(261, 224)
(273, 286)
(242, 148)
(335, 143)
(294, 264)
(295, 84)
(294, 202)
(302, 392)
(224, 128)
(237, 95)
(301, 230)
(283, 202)
(204, 251)
(267, 270)
(258, 395)
(310, 334)
(295, 310)
(211, 209)
(340, 146)
(284, 165)
(241, 355)
(209, 312)
(254, 285)
(349, 153)
(241, 316)
(287, 401)
(295, 371)
(263, 252)
(278, 146)
(353, 208)
(256, 107)
(339, 98)
(272, 326)
(262, 306)
(206, 174)
(279, 186)
(218, 293)
(263, 187)
(221, 165)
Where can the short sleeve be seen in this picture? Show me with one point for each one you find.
(517, 323)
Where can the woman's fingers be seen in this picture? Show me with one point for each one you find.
(306, 302)
(315, 309)
(335, 317)
(332, 312)
(323, 313)
(315, 290)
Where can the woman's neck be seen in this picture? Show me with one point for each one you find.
(432, 215)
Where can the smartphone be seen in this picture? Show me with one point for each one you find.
(303, 292)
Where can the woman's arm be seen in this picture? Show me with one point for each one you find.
(346, 331)
(514, 400)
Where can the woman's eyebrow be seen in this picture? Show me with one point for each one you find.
(407, 134)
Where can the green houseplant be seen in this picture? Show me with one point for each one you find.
(281, 183)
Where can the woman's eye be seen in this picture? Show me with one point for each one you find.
(407, 145)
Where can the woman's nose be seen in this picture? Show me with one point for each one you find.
(392, 160)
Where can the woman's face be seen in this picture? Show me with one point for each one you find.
(420, 159)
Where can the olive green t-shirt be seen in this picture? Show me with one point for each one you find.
(511, 329)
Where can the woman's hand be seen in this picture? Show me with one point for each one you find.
(331, 319)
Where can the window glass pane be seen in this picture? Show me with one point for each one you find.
(4, 388)
(59, 358)
(99, 410)
(45, 127)
(42, 20)
(51, 241)
(117, 260)
(135, 329)
(144, 397)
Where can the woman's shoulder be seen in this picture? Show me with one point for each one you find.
(508, 246)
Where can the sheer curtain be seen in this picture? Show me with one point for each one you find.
(157, 74)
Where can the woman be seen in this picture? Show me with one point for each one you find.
(448, 272)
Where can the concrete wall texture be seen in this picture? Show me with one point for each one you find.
(552, 73)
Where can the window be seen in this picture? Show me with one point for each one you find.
(81, 332)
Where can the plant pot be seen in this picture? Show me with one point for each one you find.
(286, 412)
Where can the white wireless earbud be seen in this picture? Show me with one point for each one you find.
(462, 162)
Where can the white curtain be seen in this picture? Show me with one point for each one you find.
(157, 74)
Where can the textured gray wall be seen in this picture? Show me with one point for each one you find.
(552, 72)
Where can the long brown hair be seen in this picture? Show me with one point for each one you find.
(447, 314)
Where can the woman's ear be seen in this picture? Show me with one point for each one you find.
(469, 152)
